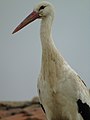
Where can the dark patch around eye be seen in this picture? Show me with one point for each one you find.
(42, 7)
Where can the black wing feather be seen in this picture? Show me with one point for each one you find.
(84, 109)
(42, 108)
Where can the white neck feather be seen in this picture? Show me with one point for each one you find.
(49, 50)
(45, 32)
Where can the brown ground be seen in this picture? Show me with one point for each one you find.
(28, 110)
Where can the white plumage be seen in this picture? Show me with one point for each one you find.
(62, 93)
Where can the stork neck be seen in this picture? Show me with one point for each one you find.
(51, 58)
(45, 32)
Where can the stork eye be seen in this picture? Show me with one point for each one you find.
(42, 7)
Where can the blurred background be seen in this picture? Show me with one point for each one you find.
(20, 54)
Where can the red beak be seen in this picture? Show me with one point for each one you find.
(33, 16)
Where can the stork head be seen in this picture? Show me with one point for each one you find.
(44, 9)
(41, 11)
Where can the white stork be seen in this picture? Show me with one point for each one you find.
(63, 94)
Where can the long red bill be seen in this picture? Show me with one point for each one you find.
(33, 16)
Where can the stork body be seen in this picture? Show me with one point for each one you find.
(59, 85)
(62, 93)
